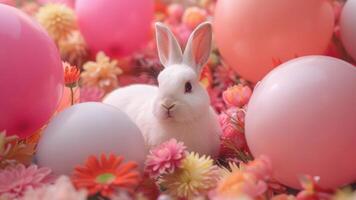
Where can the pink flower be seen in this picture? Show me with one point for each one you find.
(165, 158)
(91, 94)
(14, 181)
(61, 189)
(237, 95)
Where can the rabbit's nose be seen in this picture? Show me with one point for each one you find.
(168, 107)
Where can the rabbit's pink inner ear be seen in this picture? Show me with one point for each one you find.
(169, 51)
(198, 49)
(162, 46)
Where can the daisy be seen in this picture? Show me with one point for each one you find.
(106, 175)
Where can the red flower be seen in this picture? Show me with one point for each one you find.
(71, 74)
(106, 175)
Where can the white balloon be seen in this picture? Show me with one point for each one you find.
(89, 129)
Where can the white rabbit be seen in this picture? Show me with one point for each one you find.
(179, 107)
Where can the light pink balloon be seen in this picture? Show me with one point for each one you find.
(254, 35)
(302, 115)
(118, 27)
(31, 74)
(89, 129)
(69, 3)
(348, 27)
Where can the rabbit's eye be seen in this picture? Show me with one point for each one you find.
(188, 87)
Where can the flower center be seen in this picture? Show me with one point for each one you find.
(105, 178)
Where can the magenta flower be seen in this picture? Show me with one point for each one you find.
(165, 158)
(15, 180)
(233, 138)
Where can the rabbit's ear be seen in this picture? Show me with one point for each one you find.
(169, 51)
(198, 48)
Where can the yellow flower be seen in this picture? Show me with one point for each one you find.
(102, 73)
(196, 176)
(57, 19)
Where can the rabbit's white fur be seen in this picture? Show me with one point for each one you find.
(171, 110)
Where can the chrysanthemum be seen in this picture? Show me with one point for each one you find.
(196, 176)
(57, 19)
(71, 74)
(102, 73)
(60, 190)
(165, 158)
(15, 180)
(105, 175)
(73, 49)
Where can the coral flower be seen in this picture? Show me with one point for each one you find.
(106, 175)
(193, 16)
(71, 74)
(196, 176)
(57, 19)
(240, 184)
(15, 180)
(165, 158)
(249, 179)
(237, 95)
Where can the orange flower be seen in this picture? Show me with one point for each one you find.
(237, 95)
(106, 175)
(71, 74)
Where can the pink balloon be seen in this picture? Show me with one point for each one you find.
(253, 36)
(69, 3)
(303, 117)
(348, 27)
(118, 27)
(31, 74)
